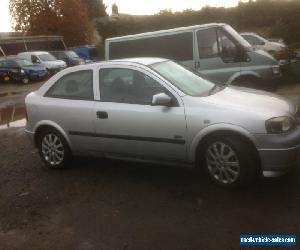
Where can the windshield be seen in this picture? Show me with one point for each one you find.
(47, 57)
(236, 36)
(185, 79)
(72, 54)
(23, 63)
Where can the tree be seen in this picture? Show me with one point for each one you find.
(68, 18)
(96, 9)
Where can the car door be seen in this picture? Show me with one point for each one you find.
(69, 103)
(125, 121)
(216, 54)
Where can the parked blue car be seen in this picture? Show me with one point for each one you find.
(20, 70)
(89, 53)
(69, 57)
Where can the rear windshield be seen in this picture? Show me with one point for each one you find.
(72, 54)
(47, 57)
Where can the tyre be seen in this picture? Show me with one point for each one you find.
(228, 160)
(256, 83)
(248, 81)
(25, 80)
(53, 149)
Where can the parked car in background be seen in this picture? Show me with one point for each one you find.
(71, 58)
(215, 50)
(156, 110)
(277, 49)
(44, 58)
(89, 53)
(21, 70)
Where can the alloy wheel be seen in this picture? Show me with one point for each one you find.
(222, 162)
(53, 149)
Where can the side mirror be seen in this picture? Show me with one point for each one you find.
(161, 99)
(241, 55)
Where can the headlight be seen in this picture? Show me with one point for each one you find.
(22, 71)
(280, 124)
(276, 69)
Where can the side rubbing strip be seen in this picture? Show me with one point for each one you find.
(129, 137)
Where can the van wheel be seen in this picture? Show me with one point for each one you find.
(53, 149)
(248, 81)
(228, 160)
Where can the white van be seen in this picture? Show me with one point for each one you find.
(216, 50)
(46, 59)
(277, 49)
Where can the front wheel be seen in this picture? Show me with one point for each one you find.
(25, 80)
(53, 149)
(229, 161)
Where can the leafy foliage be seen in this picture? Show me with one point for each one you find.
(269, 17)
(95, 8)
(68, 18)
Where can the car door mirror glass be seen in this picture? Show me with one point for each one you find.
(161, 99)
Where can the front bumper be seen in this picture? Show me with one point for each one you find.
(279, 152)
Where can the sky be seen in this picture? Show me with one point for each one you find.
(137, 7)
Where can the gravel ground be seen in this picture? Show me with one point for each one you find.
(106, 204)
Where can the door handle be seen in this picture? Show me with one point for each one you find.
(102, 115)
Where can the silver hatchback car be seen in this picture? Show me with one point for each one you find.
(153, 109)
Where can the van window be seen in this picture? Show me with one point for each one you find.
(207, 43)
(176, 47)
(227, 47)
(216, 43)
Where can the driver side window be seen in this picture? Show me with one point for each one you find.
(228, 49)
(127, 86)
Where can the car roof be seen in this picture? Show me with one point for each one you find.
(141, 60)
(53, 51)
(34, 53)
(248, 33)
(10, 58)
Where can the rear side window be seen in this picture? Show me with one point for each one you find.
(207, 43)
(76, 86)
(175, 47)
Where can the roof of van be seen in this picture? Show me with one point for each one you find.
(168, 30)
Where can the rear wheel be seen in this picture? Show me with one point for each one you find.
(228, 160)
(53, 149)
(256, 83)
